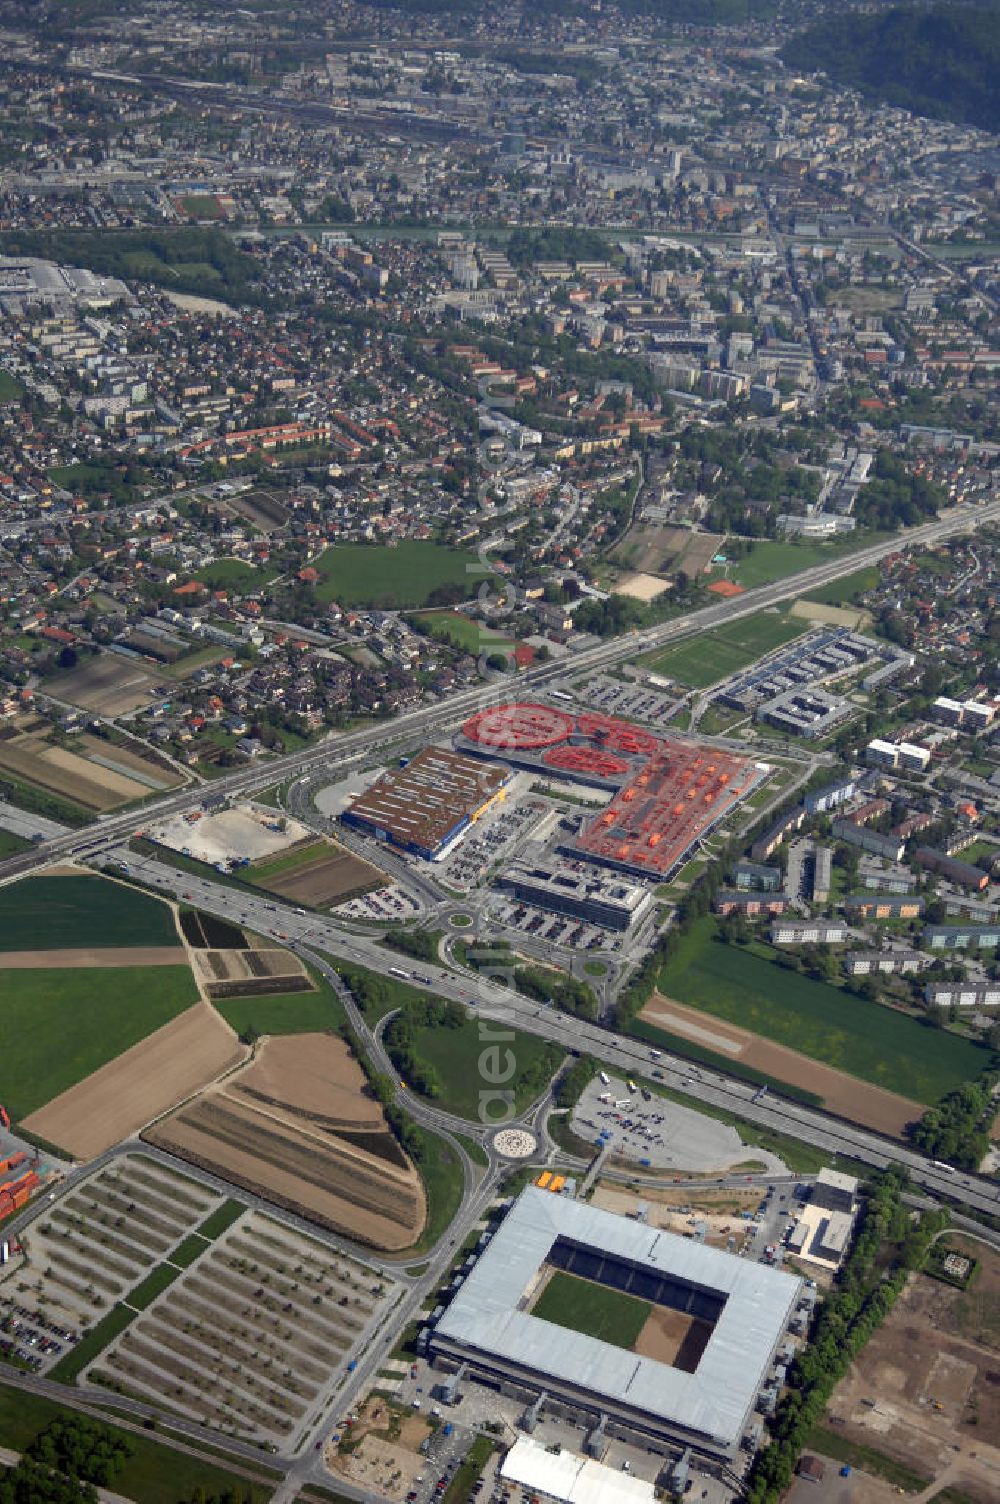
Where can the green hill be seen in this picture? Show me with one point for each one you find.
(943, 61)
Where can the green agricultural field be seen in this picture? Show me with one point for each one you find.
(67, 913)
(356, 574)
(711, 656)
(234, 574)
(154, 1474)
(464, 633)
(609, 1315)
(744, 986)
(62, 1024)
(453, 1054)
(284, 1013)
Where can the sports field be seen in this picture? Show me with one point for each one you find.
(60, 1025)
(356, 574)
(711, 656)
(80, 913)
(609, 1315)
(233, 574)
(743, 986)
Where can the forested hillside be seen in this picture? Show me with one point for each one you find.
(943, 61)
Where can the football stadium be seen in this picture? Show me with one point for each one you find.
(668, 1340)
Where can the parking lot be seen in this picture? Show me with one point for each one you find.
(631, 701)
(392, 903)
(642, 1126)
(541, 925)
(494, 837)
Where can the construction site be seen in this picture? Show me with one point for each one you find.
(669, 794)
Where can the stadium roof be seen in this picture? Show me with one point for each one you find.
(713, 1401)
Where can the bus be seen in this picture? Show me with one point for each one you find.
(560, 694)
(939, 1164)
(394, 971)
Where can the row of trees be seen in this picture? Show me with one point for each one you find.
(868, 1289)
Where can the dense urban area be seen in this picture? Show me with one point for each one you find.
(499, 752)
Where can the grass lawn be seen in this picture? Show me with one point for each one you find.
(463, 632)
(468, 1471)
(846, 590)
(441, 1172)
(774, 560)
(703, 660)
(234, 574)
(609, 1315)
(63, 913)
(10, 390)
(742, 985)
(358, 574)
(154, 1474)
(457, 1057)
(284, 1013)
(10, 844)
(60, 1025)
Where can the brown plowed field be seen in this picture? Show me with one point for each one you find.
(325, 880)
(62, 772)
(858, 1101)
(107, 684)
(127, 955)
(150, 1078)
(283, 1129)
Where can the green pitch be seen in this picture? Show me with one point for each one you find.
(609, 1315)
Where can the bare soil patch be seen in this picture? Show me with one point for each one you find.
(107, 684)
(837, 616)
(298, 1127)
(641, 587)
(156, 774)
(114, 1102)
(674, 1338)
(859, 1101)
(129, 955)
(664, 550)
(933, 1372)
(326, 880)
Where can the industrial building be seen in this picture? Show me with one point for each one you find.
(424, 805)
(669, 795)
(601, 899)
(738, 1310)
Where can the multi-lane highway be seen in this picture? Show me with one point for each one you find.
(339, 752)
(498, 1003)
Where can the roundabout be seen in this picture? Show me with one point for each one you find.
(515, 1143)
